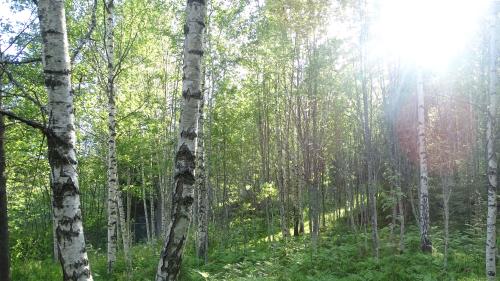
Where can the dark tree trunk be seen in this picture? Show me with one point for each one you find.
(4, 222)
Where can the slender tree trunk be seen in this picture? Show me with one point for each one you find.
(425, 241)
(171, 256)
(202, 234)
(414, 210)
(124, 230)
(4, 221)
(152, 206)
(446, 215)
(351, 205)
(61, 142)
(112, 165)
(491, 131)
(129, 210)
(372, 201)
(281, 174)
(392, 225)
(401, 216)
(144, 203)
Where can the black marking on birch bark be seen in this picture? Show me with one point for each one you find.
(68, 220)
(76, 274)
(184, 175)
(491, 273)
(57, 147)
(61, 190)
(175, 259)
(51, 31)
(66, 234)
(57, 72)
(202, 2)
(186, 29)
(200, 23)
(188, 95)
(52, 83)
(196, 52)
(189, 134)
(186, 201)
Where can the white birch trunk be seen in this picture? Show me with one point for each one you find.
(55, 248)
(202, 239)
(124, 230)
(114, 195)
(492, 157)
(171, 256)
(425, 242)
(61, 142)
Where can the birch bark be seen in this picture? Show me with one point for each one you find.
(425, 242)
(492, 157)
(61, 142)
(171, 256)
(202, 239)
(111, 163)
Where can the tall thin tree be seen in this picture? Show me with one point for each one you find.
(183, 197)
(4, 221)
(61, 139)
(202, 239)
(112, 164)
(492, 157)
(425, 241)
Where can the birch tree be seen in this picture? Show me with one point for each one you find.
(425, 242)
(115, 204)
(112, 165)
(61, 142)
(492, 157)
(202, 239)
(183, 197)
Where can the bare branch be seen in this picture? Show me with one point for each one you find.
(25, 61)
(29, 122)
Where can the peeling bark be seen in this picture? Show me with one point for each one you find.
(61, 143)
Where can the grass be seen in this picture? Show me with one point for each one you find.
(341, 255)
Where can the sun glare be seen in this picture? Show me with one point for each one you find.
(429, 33)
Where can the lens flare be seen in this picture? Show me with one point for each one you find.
(429, 33)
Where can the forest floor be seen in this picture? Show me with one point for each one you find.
(342, 255)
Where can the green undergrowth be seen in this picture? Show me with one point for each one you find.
(341, 255)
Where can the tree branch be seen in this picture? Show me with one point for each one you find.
(24, 94)
(29, 122)
(25, 61)
(83, 41)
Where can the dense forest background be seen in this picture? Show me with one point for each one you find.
(309, 144)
